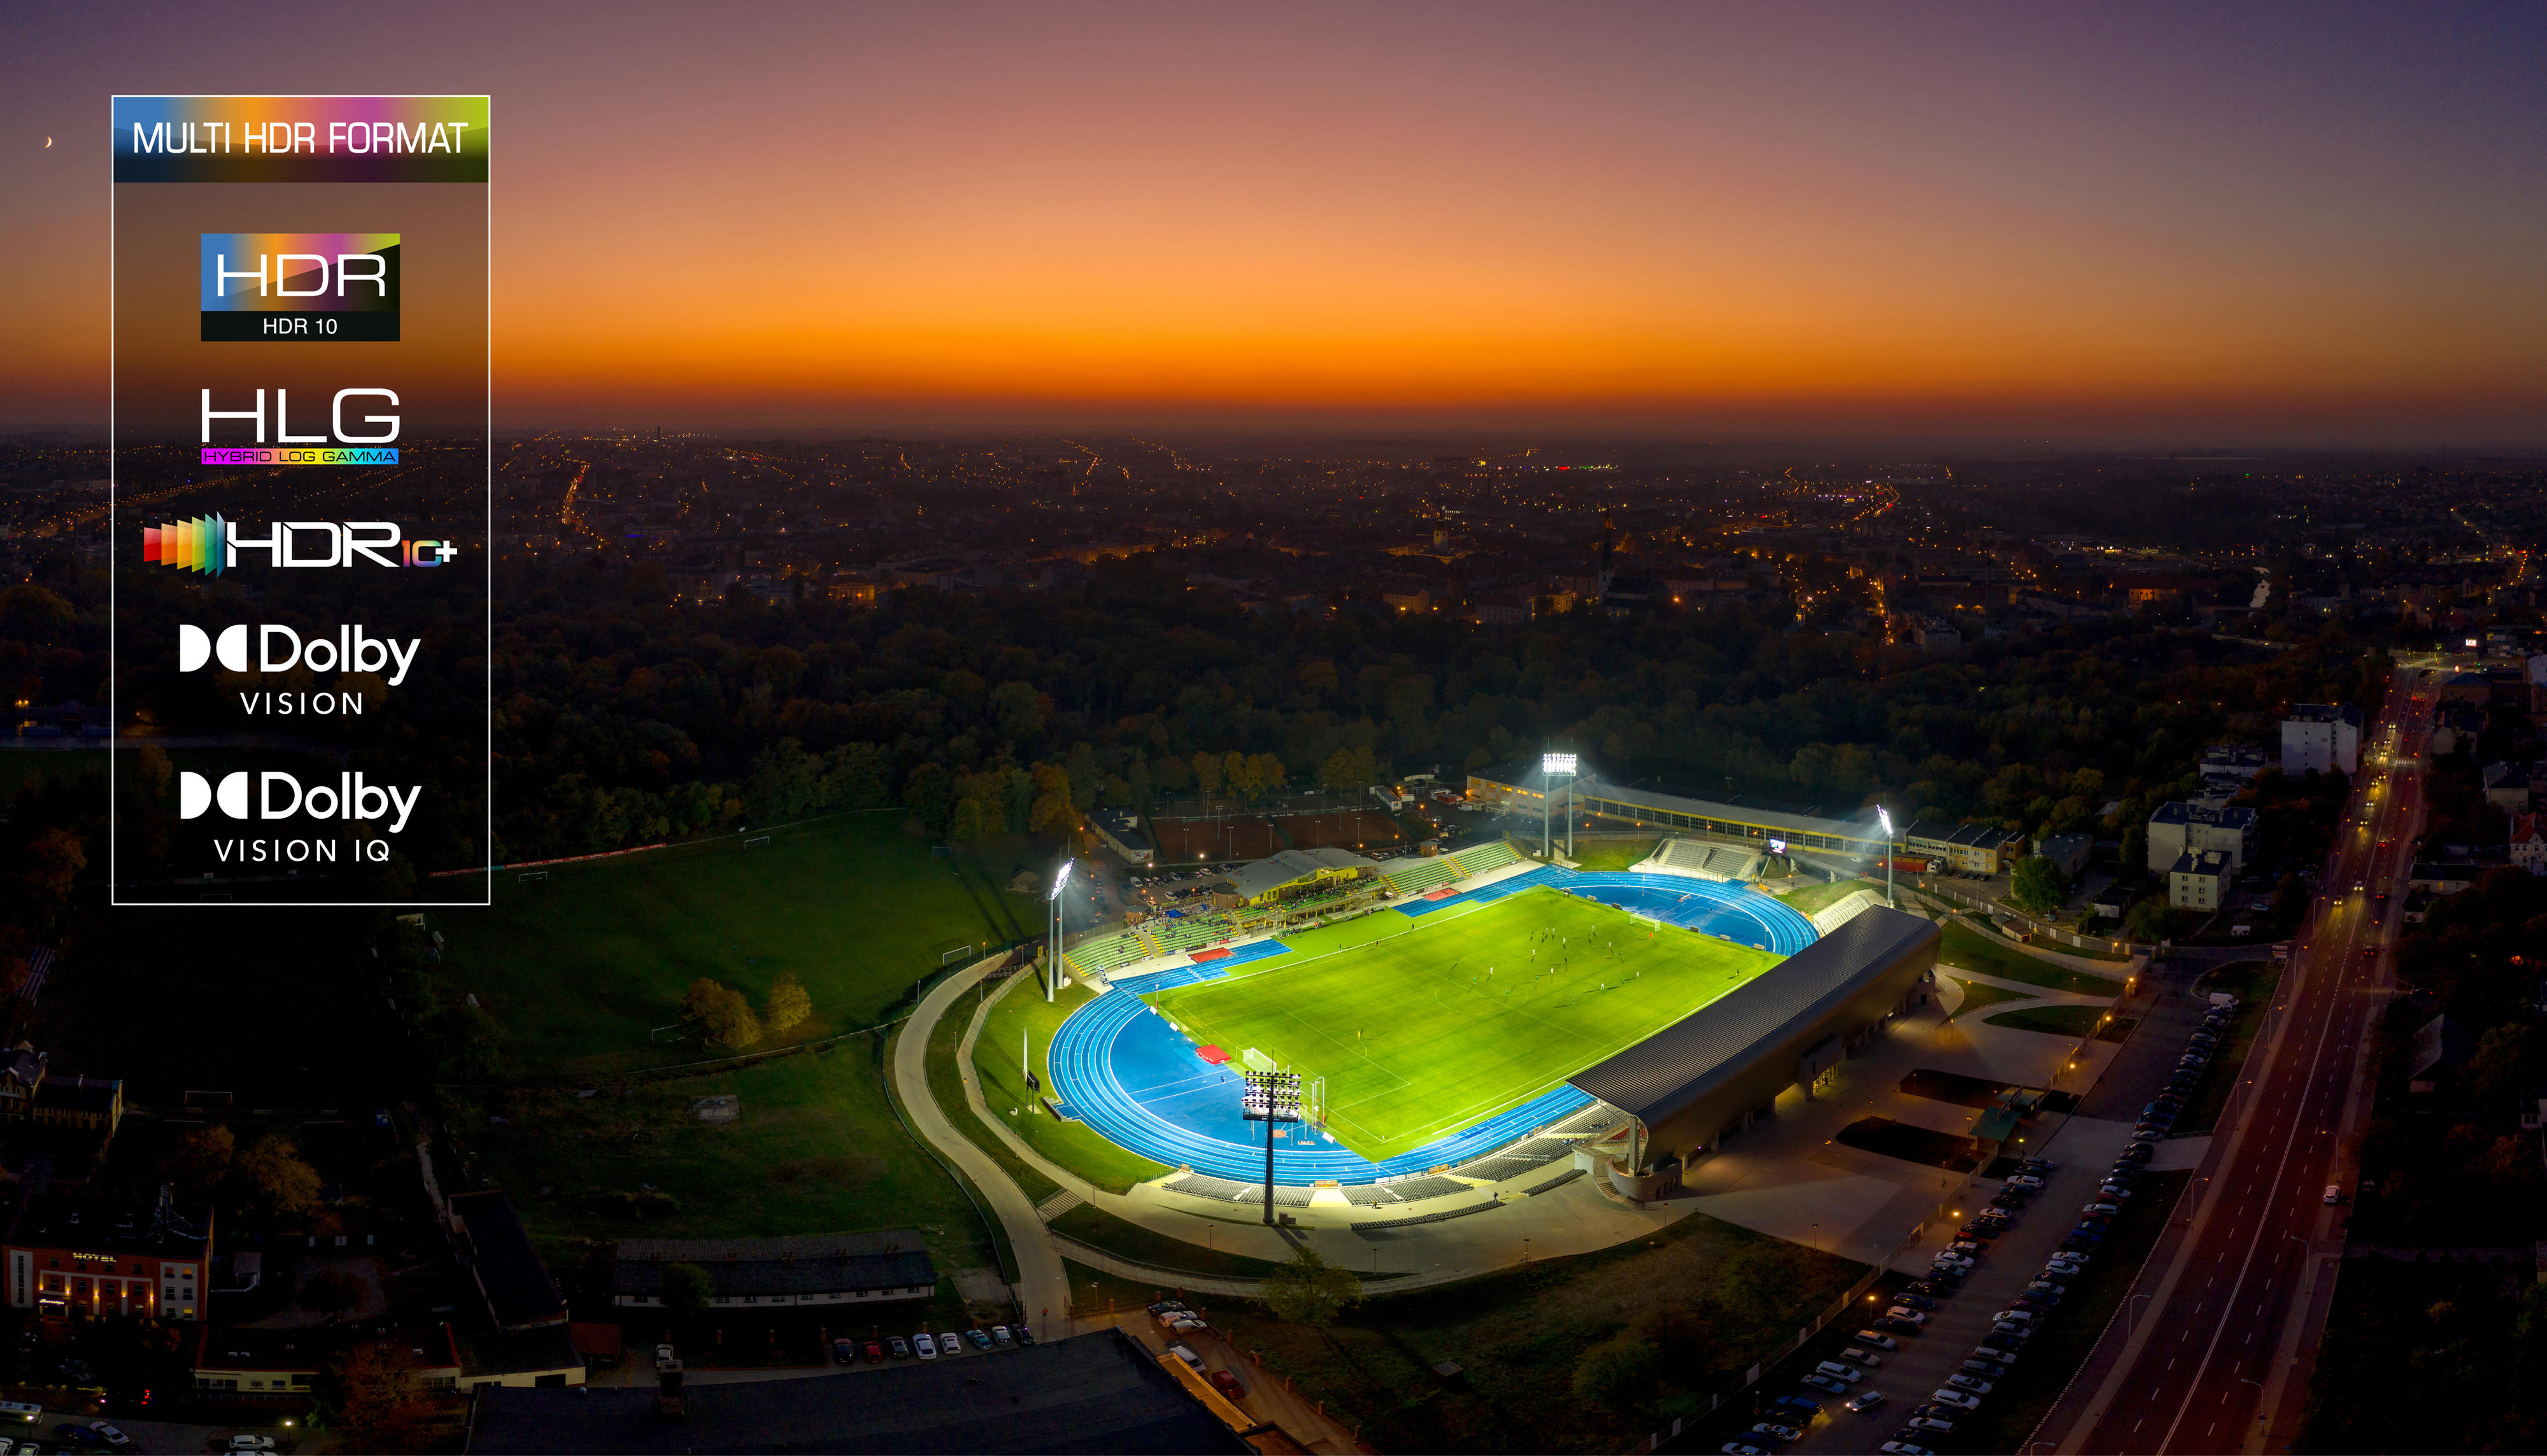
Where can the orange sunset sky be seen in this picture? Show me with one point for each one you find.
(1682, 220)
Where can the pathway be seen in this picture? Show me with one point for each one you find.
(1043, 1289)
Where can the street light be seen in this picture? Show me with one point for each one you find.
(1883, 817)
(1270, 1098)
(1052, 933)
(1550, 766)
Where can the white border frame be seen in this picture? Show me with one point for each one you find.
(114, 533)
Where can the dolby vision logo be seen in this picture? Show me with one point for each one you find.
(195, 648)
(276, 795)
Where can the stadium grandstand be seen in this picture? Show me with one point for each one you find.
(1716, 1071)
(1278, 877)
(1650, 803)
(1701, 860)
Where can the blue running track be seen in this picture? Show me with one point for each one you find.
(1120, 1068)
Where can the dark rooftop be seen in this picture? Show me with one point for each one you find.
(518, 1289)
(1096, 1393)
(112, 1226)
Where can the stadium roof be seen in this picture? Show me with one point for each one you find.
(1734, 809)
(1687, 1059)
(1100, 1392)
(1276, 871)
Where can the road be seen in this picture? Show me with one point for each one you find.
(2217, 1337)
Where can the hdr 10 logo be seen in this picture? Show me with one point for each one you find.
(324, 287)
(211, 545)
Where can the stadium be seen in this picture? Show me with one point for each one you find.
(1473, 1018)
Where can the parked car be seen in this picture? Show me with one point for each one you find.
(1227, 1384)
(1897, 1326)
(2005, 1354)
(243, 1444)
(1947, 1396)
(948, 1344)
(1854, 1354)
(1865, 1401)
(1777, 1431)
(2038, 1164)
(2333, 1194)
(1024, 1334)
(1824, 1384)
(2017, 1331)
(1969, 1247)
(2047, 1286)
(1844, 1374)
(845, 1350)
(1904, 1449)
(116, 1440)
(1991, 1369)
(1906, 1315)
(1915, 1301)
(999, 1336)
(2017, 1317)
(1805, 1408)
(1928, 1290)
(2025, 1180)
(1937, 1423)
(875, 1352)
(925, 1343)
(1741, 1449)
(1194, 1362)
(1973, 1383)
(1872, 1340)
(901, 1347)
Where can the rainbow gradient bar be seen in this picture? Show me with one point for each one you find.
(300, 455)
(199, 545)
(301, 138)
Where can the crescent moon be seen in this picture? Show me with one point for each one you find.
(48, 141)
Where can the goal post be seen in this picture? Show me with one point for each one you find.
(1257, 1061)
(950, 958)
(1645, 922)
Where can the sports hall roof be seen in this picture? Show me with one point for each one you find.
(1274, 871)
(1692, 1057)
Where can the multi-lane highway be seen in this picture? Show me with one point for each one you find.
(2216, 1333)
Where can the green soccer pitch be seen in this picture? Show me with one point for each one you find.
(1416, 1039)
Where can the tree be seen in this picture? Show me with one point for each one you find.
(200, 1160)
(2035, 886)
(722, 1015)
(1342, 772)
(284, 1184)
(1206, 772)
(51, 865)
(788, 1005)
(2149, 920)
(687, 1291)
(379, 1407)
(2498, 1070)
(1264, 775)
(1310, 1291)
(461, 1041)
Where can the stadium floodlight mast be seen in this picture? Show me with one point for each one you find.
(1052, 933)
(1883, 817)
(1550, 766)
(1270, 1098)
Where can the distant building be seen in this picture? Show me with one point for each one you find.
(764, 1273)
(2068, 853)
(2239, 761)
(2324, 736)
(2529, 842)
(2180, 829)
(2199, 880)
(2507, 786)
(1120, 830)
(1975, 849)
(110, 1256)
(1505, 607)
(2441, 1047)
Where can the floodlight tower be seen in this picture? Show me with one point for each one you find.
(1052, 933)
(1883, 817)
(1270, 1098)
(1550, 766)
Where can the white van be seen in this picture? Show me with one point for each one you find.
(20, 1410)
(1845, 1374)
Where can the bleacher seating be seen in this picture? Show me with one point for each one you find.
(1103, 952)
(1201, 1186)
(1368, 1195)
(1704, 861)
(1476, 859)
(1415, 877)
(1844, 910)
(1432, 1218)
(1425, 1187)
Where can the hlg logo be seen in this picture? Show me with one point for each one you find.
(211, 545)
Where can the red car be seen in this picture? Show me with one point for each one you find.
(875, 1352)
(1227, 1384)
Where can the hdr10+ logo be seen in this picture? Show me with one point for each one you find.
(211, 545)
